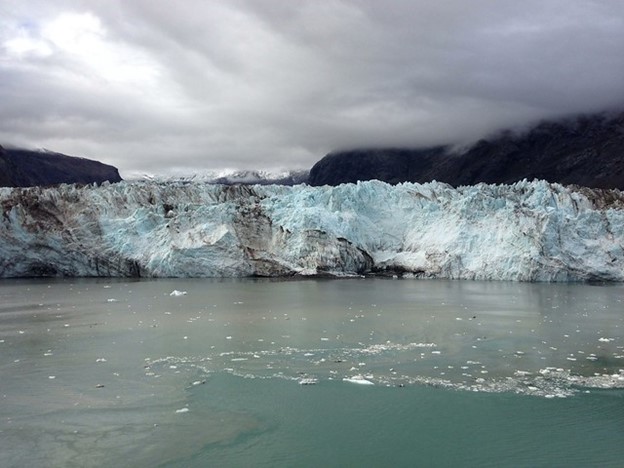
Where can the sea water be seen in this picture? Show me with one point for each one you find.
(354, 372)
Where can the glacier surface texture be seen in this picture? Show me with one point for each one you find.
(529, 231)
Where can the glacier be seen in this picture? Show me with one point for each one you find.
(528, 231)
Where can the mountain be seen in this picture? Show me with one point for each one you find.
(528, 231)
(233, 177)
(586, 150)
(25, 168)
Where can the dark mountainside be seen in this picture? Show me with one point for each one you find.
(24, 168)
(586, 151)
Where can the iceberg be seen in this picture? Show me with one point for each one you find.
(528, 231)
(176, 293)
(358, 379)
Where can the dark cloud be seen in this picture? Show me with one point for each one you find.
(150, 86)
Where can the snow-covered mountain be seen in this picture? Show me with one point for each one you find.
(529, 231)
(231, 177)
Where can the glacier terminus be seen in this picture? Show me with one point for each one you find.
(528, 231)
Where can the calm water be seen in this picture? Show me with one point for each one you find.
(310, 373)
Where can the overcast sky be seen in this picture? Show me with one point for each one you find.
(154, 86)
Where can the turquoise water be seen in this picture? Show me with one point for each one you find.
(310, 373)
(337, 425)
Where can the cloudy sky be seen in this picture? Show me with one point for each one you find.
(155, 86)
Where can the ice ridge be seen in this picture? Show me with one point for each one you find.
(528, 231)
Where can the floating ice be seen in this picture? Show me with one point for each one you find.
(296, 364)
(176, 293)
(182, 410)
(358, 379)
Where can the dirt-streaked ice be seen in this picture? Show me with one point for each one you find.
(528, 231)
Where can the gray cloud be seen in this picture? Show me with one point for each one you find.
(150, 86)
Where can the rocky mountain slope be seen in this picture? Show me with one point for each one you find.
(25, 168)
(587, 151)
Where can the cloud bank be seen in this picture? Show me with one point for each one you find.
(154, 86)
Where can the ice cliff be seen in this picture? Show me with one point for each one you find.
(528, 231)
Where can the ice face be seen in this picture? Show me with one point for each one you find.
(528, 231)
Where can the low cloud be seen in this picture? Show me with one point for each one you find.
(277, 84)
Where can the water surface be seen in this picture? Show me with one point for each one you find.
(308, 373)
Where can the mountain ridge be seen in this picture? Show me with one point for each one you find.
(587, 150)
(27, 168)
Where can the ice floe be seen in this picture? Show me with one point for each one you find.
(358, 379)
(176, 293)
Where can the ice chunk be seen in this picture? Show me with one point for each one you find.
(358, 379)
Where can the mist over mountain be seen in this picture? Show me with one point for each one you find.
(586, 150)
(226, 224)
(26, 168)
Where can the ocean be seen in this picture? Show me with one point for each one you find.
(350, 372)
